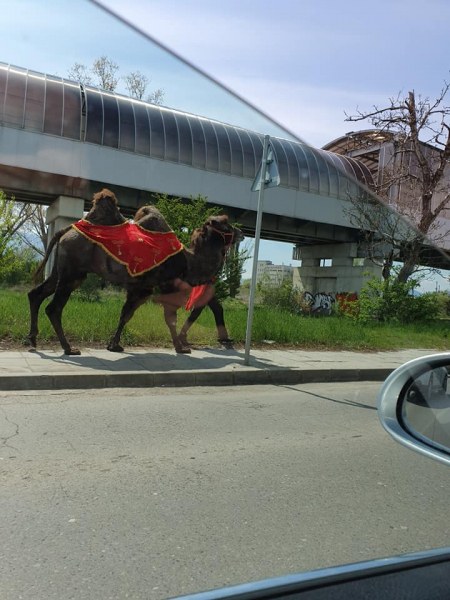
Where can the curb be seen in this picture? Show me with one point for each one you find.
(131, 379)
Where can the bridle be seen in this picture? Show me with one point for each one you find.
(227, 237)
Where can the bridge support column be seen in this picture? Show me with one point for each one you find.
(333, 268)
(61, 213)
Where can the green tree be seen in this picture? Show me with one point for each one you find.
(229, 282)
(184, 216)
(17, 266)
(13, 216)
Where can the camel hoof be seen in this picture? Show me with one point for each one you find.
(72, 352)
(183, 350)
(115, 348)
(29, 341)
(226, 343)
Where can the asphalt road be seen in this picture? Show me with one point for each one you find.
(135, 494)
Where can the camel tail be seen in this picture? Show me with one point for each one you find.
(55, 239)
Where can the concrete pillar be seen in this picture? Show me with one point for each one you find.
(333, 268)
(61, 213)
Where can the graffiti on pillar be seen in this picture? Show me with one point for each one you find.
(318, 304)
(322, 303)
(347, 303)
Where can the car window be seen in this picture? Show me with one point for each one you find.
(97, 76)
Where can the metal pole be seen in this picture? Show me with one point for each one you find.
(251, 300)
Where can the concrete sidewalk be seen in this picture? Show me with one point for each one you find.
(151, 367)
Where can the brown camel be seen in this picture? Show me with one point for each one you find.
(76, 256)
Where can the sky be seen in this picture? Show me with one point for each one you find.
(304, 63)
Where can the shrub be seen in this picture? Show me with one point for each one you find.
(347, 304)
(17, 266)
(282, 297)
(89, 290)
(393, 301)
(443, 301)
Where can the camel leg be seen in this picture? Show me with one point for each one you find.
(192, 317)
(171, 301)
(135, 298)
(182, 336)
(54, 312)
(170, 316)
(35, 298)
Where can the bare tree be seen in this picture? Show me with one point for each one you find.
(136, 84)
(105, 70)
(104, 74)
(414, 179)
(13, 216)
(79, 72)
(156, 97)
(386, 233)
(34, 231)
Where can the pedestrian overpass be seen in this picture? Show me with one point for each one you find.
(60, 142)
(59, 138)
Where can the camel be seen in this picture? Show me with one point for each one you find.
(76, 256)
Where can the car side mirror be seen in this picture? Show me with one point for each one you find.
(414, 406)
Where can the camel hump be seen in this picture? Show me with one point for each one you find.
(150, 218)
(105, 194)
(105, 209)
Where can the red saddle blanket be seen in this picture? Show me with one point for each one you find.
(130, 245)
(200, 295)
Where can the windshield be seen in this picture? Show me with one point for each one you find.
(115, 488)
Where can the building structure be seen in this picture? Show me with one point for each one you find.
(393, 163)
(345, 267)
(271, 274)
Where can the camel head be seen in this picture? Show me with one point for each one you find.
(216, 229)
(209, 245)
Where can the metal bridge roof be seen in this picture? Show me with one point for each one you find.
(56, 106)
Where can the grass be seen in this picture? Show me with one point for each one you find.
(93, 323)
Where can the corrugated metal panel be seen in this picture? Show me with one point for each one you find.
(54, 106)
